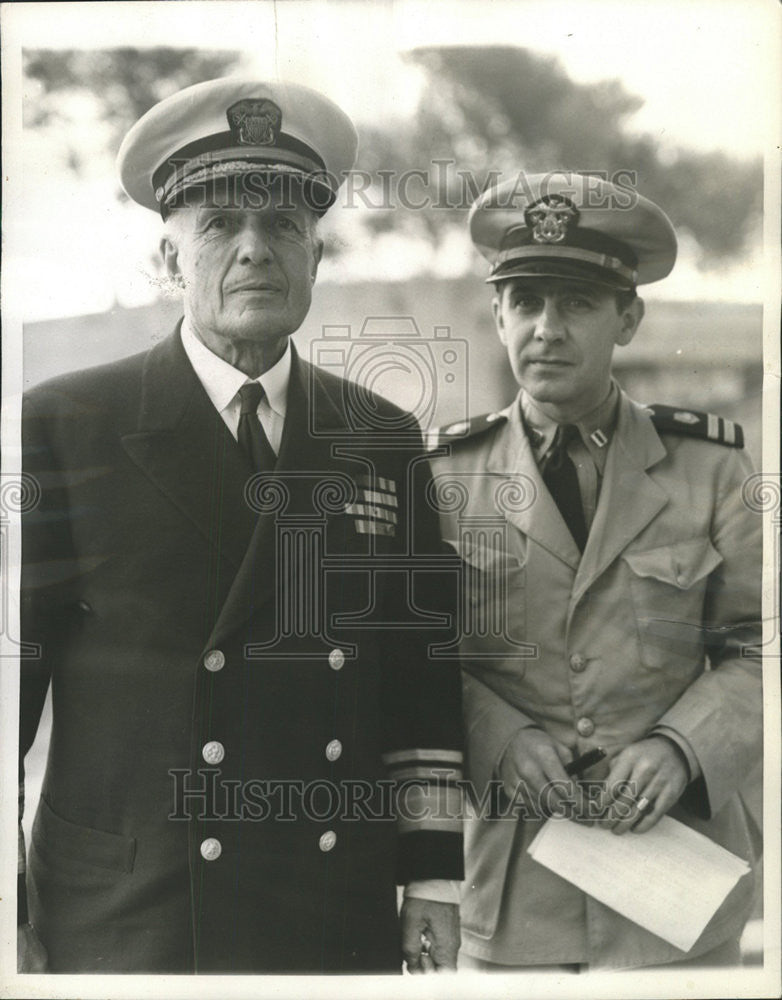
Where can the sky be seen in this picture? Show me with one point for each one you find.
(706, 71)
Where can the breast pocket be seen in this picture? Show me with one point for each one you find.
(492, 607)
(668, 588)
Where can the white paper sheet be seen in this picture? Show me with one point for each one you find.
(670, 880)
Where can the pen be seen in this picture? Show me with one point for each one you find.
(584, 761)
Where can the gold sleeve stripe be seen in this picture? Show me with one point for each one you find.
(436, 773)
(409, 756)
(436, 825)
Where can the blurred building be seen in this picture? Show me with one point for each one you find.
(429, 344)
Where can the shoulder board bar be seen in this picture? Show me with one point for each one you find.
(464, 429)
(694, 423)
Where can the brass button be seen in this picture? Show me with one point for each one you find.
(327, 840)
(336, 659)
(213, 752)
(214, 660)
(577, 662)
(211, 849)
(333, 750)
(585, 726)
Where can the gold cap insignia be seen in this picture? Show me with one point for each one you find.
(255, 122)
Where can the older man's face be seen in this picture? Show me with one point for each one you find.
(247, 272)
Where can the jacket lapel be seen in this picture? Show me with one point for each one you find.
(540, 520)
(183, 445)
(258, 578)
(629, 498)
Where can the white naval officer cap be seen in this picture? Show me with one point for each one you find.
(230, 130)
(563, 224)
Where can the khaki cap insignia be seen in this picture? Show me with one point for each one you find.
(550, 217)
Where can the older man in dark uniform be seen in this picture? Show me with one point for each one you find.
(234, 586)
(612, 584)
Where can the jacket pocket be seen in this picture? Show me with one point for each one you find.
(492, 605)
(55, 837)
(668, 588)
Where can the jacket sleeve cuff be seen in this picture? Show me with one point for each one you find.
(684, 746)
(436, 890)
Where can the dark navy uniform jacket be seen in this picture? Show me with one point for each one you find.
(213, 647)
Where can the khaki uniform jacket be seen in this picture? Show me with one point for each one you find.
(645, 628)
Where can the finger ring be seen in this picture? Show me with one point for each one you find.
(643, 804)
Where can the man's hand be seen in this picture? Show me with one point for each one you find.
(30, 953)
(654, 773)
(538, 761)
(438, 923)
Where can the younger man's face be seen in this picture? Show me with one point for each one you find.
(560, 335)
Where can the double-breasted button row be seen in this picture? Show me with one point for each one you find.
(211, 848)
(214, 660)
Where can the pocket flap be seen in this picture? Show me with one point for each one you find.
(480, 556)
(680, 564)
(56, 835)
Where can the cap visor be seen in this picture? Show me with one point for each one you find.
(548, 268)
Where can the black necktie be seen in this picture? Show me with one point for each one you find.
(252, 437)
(560, 476)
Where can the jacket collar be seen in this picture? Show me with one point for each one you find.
(629, 497)
(183, 446)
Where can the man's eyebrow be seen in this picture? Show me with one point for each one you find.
(580, 289)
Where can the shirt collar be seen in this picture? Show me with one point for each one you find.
(222, 381)
(596, 427)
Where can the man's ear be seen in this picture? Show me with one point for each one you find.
(630, 321)
(170, 255)
(317, 253)
(499, 321)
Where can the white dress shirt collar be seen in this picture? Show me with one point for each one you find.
(222, 381)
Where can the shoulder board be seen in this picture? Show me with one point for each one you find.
(693, 423)
(464, 429)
